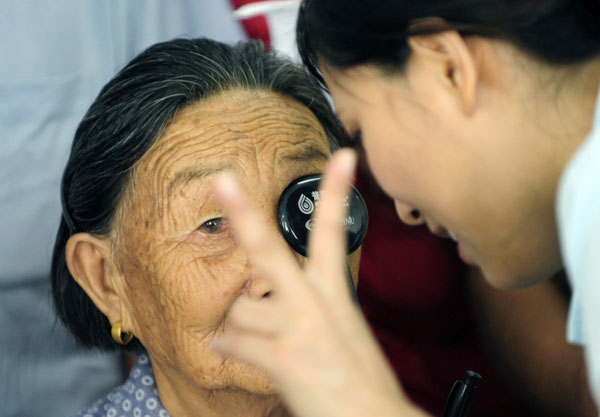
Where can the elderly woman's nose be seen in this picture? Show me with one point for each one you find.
(409, 214)
(257, 288)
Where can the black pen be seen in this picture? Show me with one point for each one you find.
(460, 396)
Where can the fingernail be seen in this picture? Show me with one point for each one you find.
(348, 161)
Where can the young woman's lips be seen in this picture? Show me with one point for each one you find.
(445, 233)
(440, 231)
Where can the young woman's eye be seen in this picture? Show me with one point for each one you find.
(217, 225)
(356, 140)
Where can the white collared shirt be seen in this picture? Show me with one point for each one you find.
(578, 213)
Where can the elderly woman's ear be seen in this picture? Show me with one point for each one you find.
(90, 263)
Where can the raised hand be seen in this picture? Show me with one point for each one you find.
(309, 336)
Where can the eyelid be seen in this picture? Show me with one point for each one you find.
(213, 245)
(223, 222)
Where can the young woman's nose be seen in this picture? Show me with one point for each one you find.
(409, 214)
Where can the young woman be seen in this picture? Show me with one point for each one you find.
(478, 118)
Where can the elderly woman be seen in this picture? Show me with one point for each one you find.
(144, 259)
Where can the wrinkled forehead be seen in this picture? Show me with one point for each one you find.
(234, 121)
(233, 129)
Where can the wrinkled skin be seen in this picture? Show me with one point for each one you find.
(184, 273)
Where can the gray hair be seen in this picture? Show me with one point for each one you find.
(126, 119)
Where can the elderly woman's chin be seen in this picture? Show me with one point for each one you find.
(187, 362)
(190, 368)
(211, 371)
(248, 378)
(230, 374)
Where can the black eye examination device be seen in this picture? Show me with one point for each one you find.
(297, 205)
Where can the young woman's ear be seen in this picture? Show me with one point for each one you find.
(88, 260)
(447, 58)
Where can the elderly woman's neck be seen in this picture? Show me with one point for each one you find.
(183, 400)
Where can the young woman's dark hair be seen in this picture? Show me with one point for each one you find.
(345, 33)
(124, 121)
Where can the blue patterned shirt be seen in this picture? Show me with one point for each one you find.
(137, 397)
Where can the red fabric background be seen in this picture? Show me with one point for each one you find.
(255, 27)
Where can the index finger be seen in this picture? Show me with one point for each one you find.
(327, 242)
(272, 260)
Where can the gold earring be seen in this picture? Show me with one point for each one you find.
(119, 335)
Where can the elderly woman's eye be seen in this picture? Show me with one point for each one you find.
(215, 225)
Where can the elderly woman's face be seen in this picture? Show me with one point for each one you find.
(177, 253)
